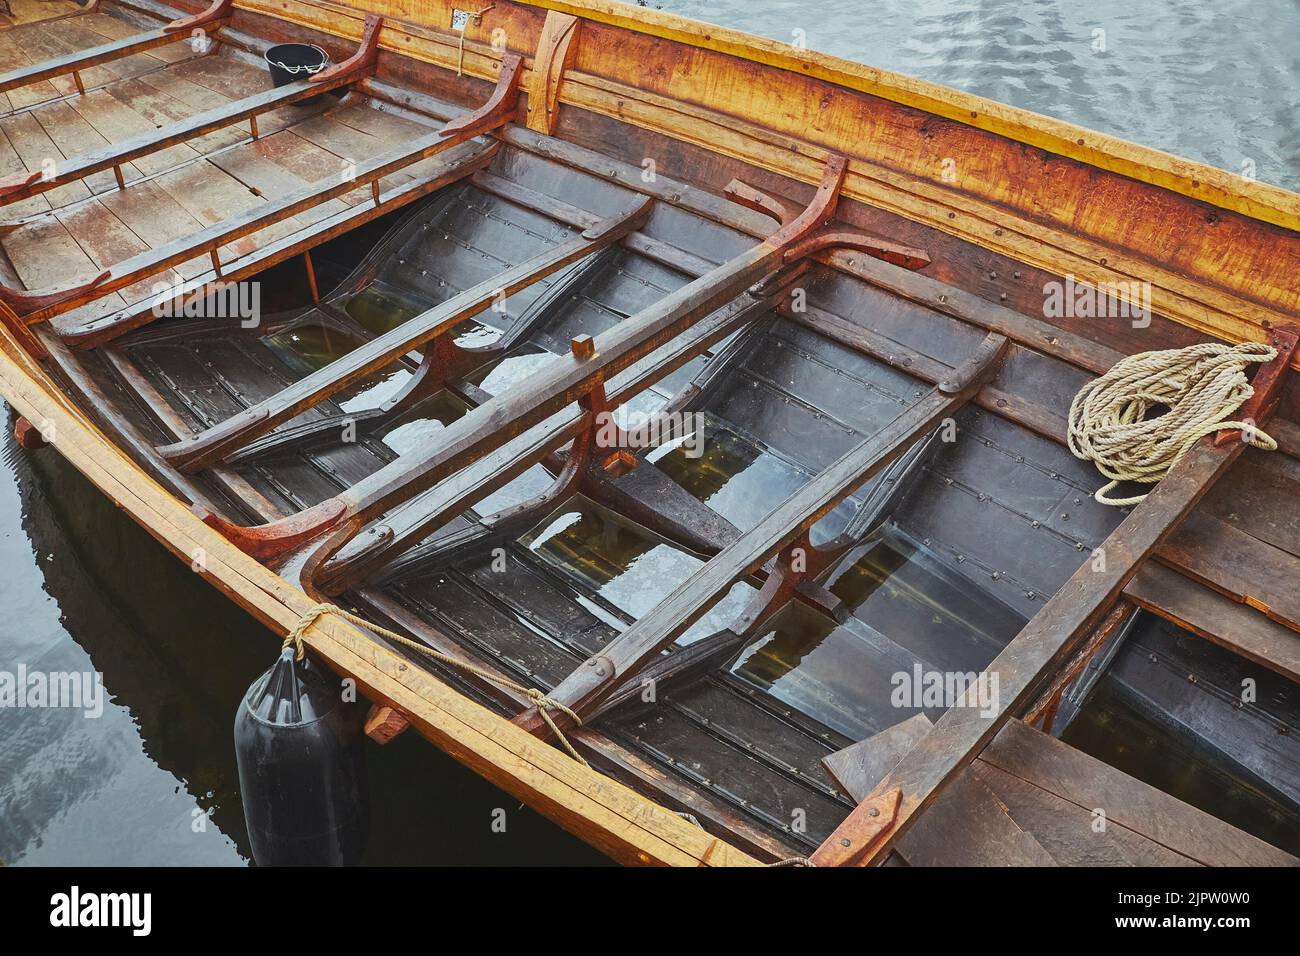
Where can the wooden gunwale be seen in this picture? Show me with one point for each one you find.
(595, 808)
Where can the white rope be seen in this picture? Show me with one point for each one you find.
(1115, 420)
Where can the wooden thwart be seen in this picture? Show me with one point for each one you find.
(499, 109)
(23, 185)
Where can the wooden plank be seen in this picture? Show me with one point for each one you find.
(136, 138)
(1074, 776)
(85, 59)
(1238, 565)
(415, 333)
(626, 655)
(1207, 613)
(35, 148)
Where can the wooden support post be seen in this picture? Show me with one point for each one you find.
(76, 78)
(311, 275)
(117, 174)
(1028, 663)
(554, 48)
(252, 126)
(625, 656)
(216, 262)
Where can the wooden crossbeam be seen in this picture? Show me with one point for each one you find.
(1027, 664)
(40, 304)
(236, 431)
(560, 382)
(26, 184)
(626, 655)
(213, 18)
(172, 301)
(406, 526)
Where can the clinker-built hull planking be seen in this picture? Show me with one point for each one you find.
(837, 274)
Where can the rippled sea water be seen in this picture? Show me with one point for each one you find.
(1215, 82)
(153, 779)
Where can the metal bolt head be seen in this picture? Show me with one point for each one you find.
(873, 812)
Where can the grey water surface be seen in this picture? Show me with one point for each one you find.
(152, 779)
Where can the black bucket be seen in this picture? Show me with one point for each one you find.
(290, 62)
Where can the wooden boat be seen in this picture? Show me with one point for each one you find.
(838, 273)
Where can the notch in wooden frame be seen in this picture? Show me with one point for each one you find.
(218, 12)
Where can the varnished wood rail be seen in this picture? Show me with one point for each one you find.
(213, 18)
(236, 431)
(1027, 664)
(624, 657)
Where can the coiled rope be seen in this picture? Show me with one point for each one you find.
(539, 700)
(1201, 386)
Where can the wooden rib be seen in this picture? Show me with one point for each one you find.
(553, 52)
(627, 654)
(1028, 663)
(216, 15)
(257, 420)
(565, 379)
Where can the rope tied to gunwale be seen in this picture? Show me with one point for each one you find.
(544, 704)
(1201, 386)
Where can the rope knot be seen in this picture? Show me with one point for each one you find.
(309, 617)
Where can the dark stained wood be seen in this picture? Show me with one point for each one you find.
(859, 767)
(1043, 711)
(567, 378)
(1074, 776)
(624, 657)
(1238, 565)
(1052, 636)
(1205, 612)
(407, 525)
